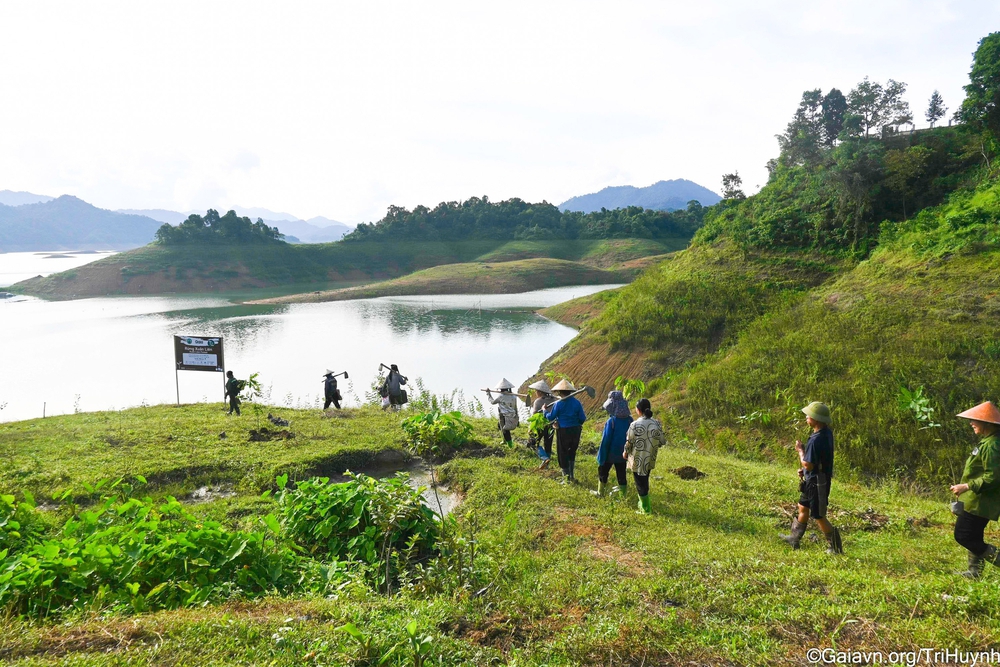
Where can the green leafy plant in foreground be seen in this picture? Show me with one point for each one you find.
(632, 390)
(915, 403)
(537, 424)
(434, 433)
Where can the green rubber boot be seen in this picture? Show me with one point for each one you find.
(645, 506)
(600, 489)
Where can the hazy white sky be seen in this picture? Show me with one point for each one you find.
(342, 108)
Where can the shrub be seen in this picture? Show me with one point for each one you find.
(431, 433)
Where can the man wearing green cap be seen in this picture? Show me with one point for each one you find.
(815, 473)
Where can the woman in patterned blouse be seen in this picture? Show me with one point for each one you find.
(644, 439)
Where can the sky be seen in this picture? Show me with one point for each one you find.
(341, 109)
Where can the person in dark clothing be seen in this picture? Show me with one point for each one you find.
(979, 491)
(392, 388)
(612, 449)
(330, 390)
(815, 473)
(233, 388)
(568, 415)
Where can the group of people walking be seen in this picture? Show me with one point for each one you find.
(628, 444)
(631, 438)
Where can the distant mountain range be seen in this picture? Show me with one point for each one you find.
(662, 196)
(30, 222)
(11, 198)
(68, 223)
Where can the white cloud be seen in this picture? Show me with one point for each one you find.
(339, 109)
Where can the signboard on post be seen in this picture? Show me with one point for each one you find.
(198, 354)
(192, 353)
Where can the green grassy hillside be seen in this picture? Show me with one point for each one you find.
(475, 278)
(158, 269)
(559, 577)
(738, 332)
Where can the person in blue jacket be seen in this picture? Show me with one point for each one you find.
(568, 415)
(612, 449)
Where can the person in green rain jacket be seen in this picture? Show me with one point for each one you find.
(979, 491)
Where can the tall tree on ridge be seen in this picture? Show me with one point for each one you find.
(834, 110)
(935, 108)
(732, 186)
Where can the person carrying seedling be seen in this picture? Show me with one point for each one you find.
(568, 415)
(979, 491)
(330, 391)
(643, 441)
(612, 449)
(815, 473)
(541, 438)
(506, 403)
(233, 389)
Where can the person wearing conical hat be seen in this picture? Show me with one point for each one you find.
(568, 415)
(612, 449)
(543, 441)
(979, 491)
(815, 473)
(506, 403)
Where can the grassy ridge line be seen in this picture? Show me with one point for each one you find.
(158, 269)
(573, 579)
(474, 278)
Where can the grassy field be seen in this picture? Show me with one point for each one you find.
(157, 269)
(511, 277)
(562, 577)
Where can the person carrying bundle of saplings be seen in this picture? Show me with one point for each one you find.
(568, 415)
(612, 449)
(979, 491)
(506, 403)
(815, 473)
(644, 439)
(543, 440)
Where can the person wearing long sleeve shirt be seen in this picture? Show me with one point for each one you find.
(979, 491)
(568, 415)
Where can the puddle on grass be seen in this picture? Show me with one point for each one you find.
(419, 476)
(206, 494)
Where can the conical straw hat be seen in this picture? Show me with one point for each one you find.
(505, 384)
(984, 412)
(563, 385)
(541, 386)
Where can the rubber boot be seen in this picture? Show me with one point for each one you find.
(572, 471)
(645, 506)
(601, 486)
(565, 477)
(795, 536)
(975, 569)
(836, 544)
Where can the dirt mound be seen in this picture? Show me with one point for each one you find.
(266, 435)
(689, 472)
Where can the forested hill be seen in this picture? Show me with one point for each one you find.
(865, 274)
(515, 219)
(661, 196)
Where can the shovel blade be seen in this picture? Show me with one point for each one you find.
(590, 391)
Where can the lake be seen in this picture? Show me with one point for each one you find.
(117, 352)
(18, 266)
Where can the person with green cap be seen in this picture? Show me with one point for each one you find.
(815, 473)
(979, 491)
(642, 442)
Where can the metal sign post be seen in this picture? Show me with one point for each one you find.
(192, 353)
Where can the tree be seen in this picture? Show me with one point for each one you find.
(732, 186)
(834, 110)
(935, 108)
(981, 107)
(856, 172)
(801, 139)
(879, 107)
(903, 167)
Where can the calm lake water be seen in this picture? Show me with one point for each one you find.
(111, 353)
(18, 266)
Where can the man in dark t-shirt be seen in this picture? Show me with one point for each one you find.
(233, 392)
(815, 473)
